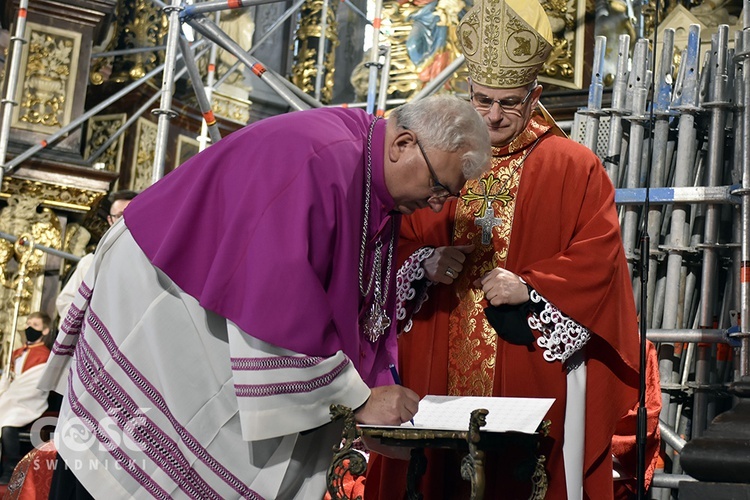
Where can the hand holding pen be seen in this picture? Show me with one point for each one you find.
(388, 405)
(397, 381)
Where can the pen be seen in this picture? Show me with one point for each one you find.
(397, 381)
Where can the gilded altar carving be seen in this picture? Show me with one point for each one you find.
(564, 67)
(309, 31)
(51, 195)
(423, 42)
(143, 159)
(422, 39)
(49, 64)
(230, 107)
(24, 214)
(77, 239)
(140, 23)
(100, 129)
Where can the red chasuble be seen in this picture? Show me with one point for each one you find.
(38, 354)
(557, 229)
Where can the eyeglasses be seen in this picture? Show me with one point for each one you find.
(484, 102)
(439, 190)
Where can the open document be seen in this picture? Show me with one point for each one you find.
(452, 413)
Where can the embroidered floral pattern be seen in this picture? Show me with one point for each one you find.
(561, 336)
(411, 271)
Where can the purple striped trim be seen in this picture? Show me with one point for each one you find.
(85, 291)
(274, 362)
(154, 442)
(74, 317)
(116, 452)
(73, 320)
(62, 349)
(263, 390)
(160, 404)
(71, 327)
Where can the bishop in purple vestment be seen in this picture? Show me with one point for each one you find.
(244, 294)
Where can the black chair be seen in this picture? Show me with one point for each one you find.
(46, 432)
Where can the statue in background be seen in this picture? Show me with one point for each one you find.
(23, 216)
(712, 13)
(77, 239)
(422, 38)
(240, 26)
(431, 44)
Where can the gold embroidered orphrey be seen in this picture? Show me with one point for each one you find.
(502, 50)
(487, 221)
(472, 343)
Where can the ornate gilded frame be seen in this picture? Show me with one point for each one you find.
(143, 159)
(565, 66)
(100, 128)
(46, 92)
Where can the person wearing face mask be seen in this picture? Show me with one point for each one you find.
(22, 403)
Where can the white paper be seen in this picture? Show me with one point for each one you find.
(453, 413)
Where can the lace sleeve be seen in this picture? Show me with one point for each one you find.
(411, 286)
(560, 336)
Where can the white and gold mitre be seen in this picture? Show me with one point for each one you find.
(505, 42)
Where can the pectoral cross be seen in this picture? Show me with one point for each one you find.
(376, 322)
(487, 222)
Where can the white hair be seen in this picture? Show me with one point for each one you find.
(448, 123)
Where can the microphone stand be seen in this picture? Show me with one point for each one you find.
(642, 414)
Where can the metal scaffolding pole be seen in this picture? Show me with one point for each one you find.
(209, 88)
(593, 110)
(11, 77)
(125, 52)
(88, 114)
(145, 107)
(736, 177)
(715, 169)
(641, 81)
(291, 94)
(619, 89)
(374, 65)
(687, 100)
(46, 249)
(204, 102)
(744, 334)
(684, 101)
(384, 79)
(206, 7)
(436, 83)
(279, 22)
(658, 174)
(707, 335)
(164, 112)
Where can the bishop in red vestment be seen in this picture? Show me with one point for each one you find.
(559, 232)
(520, 286)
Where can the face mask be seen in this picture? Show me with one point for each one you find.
(32, 335)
